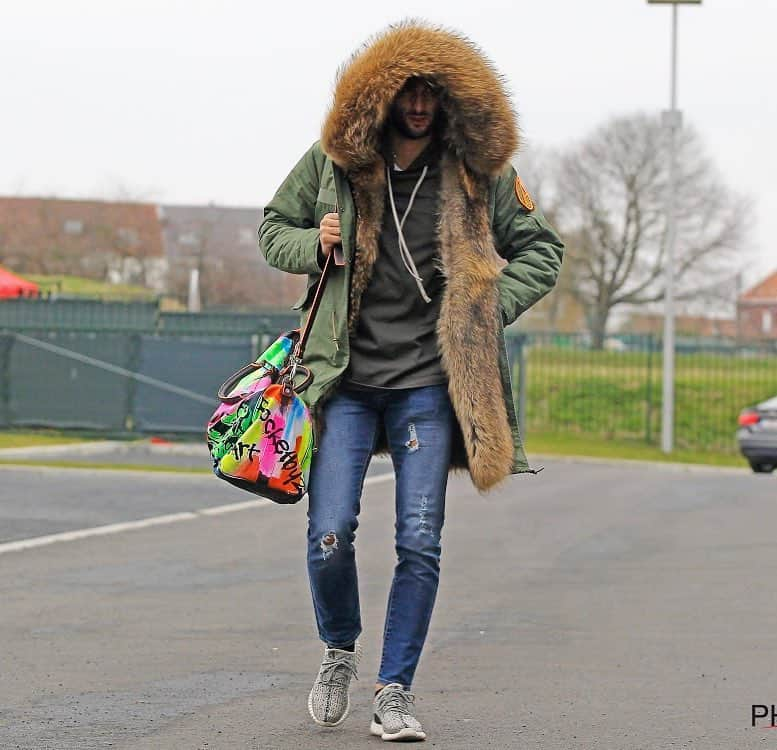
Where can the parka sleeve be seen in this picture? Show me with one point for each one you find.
(531, 247)
(288, 236)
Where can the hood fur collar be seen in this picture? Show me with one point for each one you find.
(481, 126)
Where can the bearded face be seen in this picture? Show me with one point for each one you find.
(415, 108)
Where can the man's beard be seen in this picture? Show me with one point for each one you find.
(398, 121)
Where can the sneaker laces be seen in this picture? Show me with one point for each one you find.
(397, 699)
(332, 665)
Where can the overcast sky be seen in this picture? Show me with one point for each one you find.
(201, 100)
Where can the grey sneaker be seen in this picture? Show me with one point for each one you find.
(393, 715)
(328, 702)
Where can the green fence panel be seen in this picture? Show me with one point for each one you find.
(141, 317)
(51, 390)
(78, 315)
(227, 324)
(199, 365)
(6, 344)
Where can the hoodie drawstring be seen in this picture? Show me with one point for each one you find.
(404, 250)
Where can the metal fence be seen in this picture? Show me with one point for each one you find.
(616, 393)
(96, 315)
(164, 382)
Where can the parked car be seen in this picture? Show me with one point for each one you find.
(757, 436)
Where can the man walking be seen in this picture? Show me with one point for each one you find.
(412, 189)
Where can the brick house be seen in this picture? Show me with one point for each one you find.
(757, 309)
(147, 245)
(118, 242)
(685, 325)
(756, 317)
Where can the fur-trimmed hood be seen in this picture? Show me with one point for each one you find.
(481, 130)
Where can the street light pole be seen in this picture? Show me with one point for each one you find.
(673, 123)
(672, 120)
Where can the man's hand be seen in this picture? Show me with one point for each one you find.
(330, 233)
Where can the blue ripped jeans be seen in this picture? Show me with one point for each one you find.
(418, 424)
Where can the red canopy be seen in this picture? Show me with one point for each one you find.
(15, 286)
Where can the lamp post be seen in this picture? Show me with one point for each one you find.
(672, 120)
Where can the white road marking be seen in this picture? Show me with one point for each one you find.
(118, 528)
(112, 528)
(219, 509)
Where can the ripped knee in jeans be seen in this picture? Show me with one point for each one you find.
(329, 544)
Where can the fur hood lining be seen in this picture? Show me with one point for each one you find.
(481, 129)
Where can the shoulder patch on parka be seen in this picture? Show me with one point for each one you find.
(522, 194)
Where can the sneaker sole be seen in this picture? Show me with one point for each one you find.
(403, 735)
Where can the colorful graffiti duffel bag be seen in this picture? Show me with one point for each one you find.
(261, 436)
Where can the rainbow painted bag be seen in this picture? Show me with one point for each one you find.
(261, 436)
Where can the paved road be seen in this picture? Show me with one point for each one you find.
(35, 501)
(594, 606)
(183, 455)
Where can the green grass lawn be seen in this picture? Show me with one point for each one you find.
(13, 439)
(561, 444)
(75, 286)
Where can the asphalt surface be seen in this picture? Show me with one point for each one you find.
(190, 455)
(36, 501)
(592, 606)
(139, 453)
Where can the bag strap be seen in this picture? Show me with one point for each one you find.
(331, 260)
(288, 373)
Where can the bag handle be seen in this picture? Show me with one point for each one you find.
(229, 384)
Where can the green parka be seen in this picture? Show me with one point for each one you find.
(484, 213)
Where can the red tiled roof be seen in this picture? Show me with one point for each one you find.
(763, 290)
(685, 325)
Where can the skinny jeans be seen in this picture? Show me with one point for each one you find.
(418, 424)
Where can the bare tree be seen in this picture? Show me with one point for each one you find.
(232, 273)
(199, 249)
(116, 189)
(612, 212)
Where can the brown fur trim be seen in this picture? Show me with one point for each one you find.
(479, 138)
(369, 196)
(468, 329)
(481, 125)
